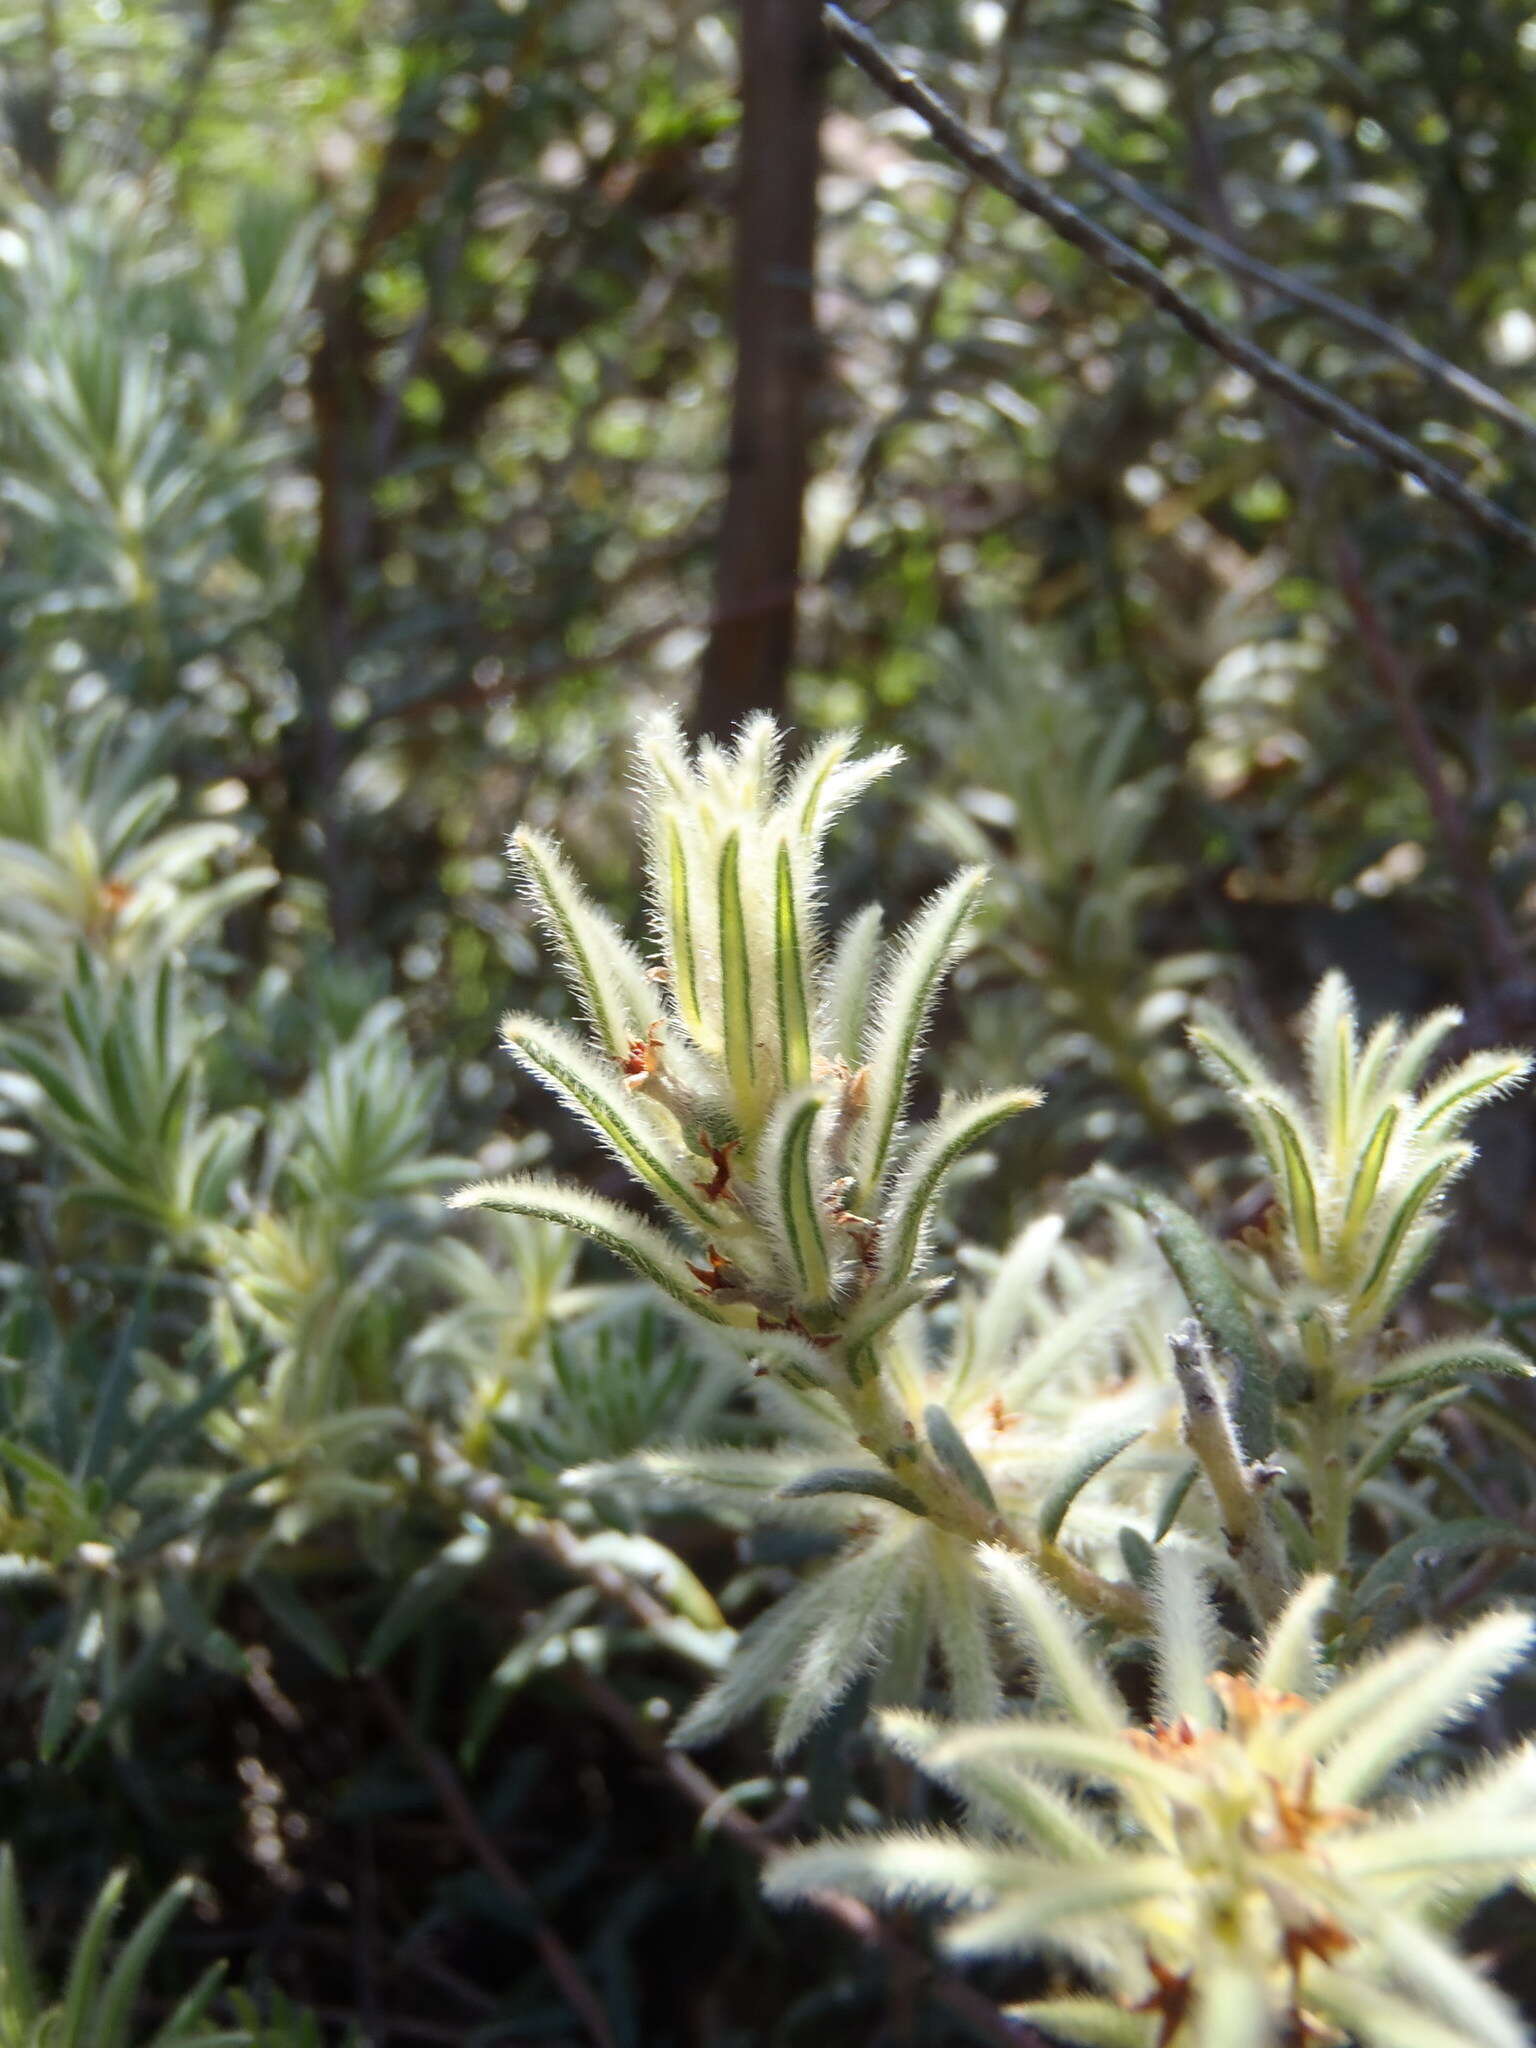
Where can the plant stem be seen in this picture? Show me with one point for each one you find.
(891, 1435)
(1236, 1485)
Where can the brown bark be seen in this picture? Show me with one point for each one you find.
(748, 656)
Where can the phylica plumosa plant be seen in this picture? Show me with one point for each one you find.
(1358, 1166)
(1234, 1882)
(752, 1085)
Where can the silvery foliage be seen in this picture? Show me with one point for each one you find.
(1054, 1377)
(754, 1081)
(1359, 1160)
(1252, 1865)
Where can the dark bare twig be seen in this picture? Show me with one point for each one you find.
(444, 1780)
(1392, 680)
(867, 462)
(1301, 293)
(978, 2012)
(1000, 171)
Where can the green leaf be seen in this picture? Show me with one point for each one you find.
(1378, 1290)
(1173, 1500)
(1214, 1296)
(736, 983)
(195, 1630)
(1288, 1154)
(1391, 1441)
(617, 1229)
(1447, 1105)
(1449, 1358)
(18, 1983)
(112, 1402)
(150, 1444)
(847, 981)
(866, 1479)
(519, 1665)
(1084, 1467)
(680, 935)
(789, 970)
(902, 1007)
(607, 974)
(789, 1168)
(945, 1141)
(85, 1965)
(1392, 1569)
(424, 1594)
(602, 1102)
(1362, 1190)
(114, 2011)
(952, 1450)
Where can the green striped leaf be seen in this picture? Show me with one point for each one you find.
(947, 1139)
(606, 973)
(627, 1236)
(789, 971)
(681, 942)
(1381, 1282)
(1288, 1155)
(1367, 1180)
(602, 1102)
(789, 1169)
(905, 1002)
(736, 983)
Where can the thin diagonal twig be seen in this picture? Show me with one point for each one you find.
(1303, 293)
(1004, 175)
(981, 2017)
(451, 1796)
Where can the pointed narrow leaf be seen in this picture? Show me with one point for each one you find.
(902, 1008)
(1077, 1475)
(606, 973)
(952, 1450)
(790, 973)
(602, 1102)
(736, 978)
(1288, 1153)
(847, 982)
(1214, 1296)
(790, 1169)
(681, 938)
(1378, 1291)
(1449, 1358)
(866, 1479)
(295, 1616)
(1362, 1190)
(617, 1229)
(945, 1141)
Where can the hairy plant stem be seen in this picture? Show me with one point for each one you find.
(1327, 1444)
(1328, 1477)
(1236, 1485)
(886, 1430)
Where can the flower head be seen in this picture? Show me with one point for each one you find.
(1360, 1166)
(1244, 1873)
(754, 1077)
